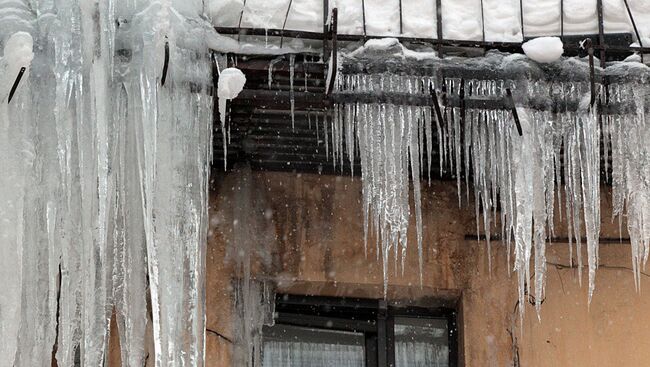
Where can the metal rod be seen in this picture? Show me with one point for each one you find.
(284, 24)
(15, 85)
(588, 44)
(439, 27)
(326, 12)
(513, 108)
(165, 65)
(439, 41)
(241, 16)
(436, 105)
(521, 18)
(363, 18)
(334, 28)
(636, 31)
(601, 32)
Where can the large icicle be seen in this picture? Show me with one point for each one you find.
(109, 171)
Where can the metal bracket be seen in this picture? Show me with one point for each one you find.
(334, 56)
(15, 85)
(511, 103)
(165, 65)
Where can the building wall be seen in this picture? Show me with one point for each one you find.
(312, 227)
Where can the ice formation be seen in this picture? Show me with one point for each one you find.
(544, 49)
(104, 186)
(554, 162)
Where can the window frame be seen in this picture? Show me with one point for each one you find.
(374, 318)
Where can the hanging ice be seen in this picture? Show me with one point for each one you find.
(559, 151)
(106, 191)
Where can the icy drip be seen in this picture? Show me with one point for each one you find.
(114, 191)
(631, 171)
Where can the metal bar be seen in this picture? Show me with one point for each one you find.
(165, 65)
(521, 18)
(511, 104)
(334, 61)
(636, 30)
(504, 46)
(241, 16)
(439, 27)
(284, 24)
(326, 12)
(601, 32)
(382, 338)
(363, 18)
(15, 85)
(588, 44)
(436, 105)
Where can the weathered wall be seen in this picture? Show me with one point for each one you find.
(318, 248)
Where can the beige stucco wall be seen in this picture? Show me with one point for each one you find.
(318, 227)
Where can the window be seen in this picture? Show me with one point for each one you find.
(314, 331)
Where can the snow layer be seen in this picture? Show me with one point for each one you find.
(544, 49)
(461, 18)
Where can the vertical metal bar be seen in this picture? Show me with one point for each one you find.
(284, 24)
(382, 338)
(390, 341)
(439, 27)
(334, 28)
(371, 350)
(241, 16)
(326, 13)
(636, 31)
(436, 105)
(601, 32)
(363, 15)
(521, 19)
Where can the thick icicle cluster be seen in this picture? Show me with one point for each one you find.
(557, 157)
(389, 138)
(629, 136)
(104, 185)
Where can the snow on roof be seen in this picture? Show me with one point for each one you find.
(461, 18)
